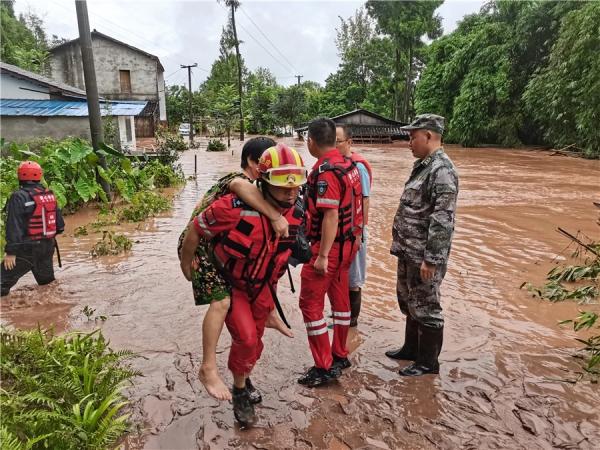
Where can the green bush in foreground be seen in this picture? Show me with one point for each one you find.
(61, 392)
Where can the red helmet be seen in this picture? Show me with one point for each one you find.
(29, 171)
(282, 166)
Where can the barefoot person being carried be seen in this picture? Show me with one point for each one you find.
(208, 285)
(249, 254)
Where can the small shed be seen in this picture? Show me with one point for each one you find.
(368, 127)
(24, 120)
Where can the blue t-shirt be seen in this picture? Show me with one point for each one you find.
(365, 181)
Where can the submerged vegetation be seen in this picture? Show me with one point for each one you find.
(62, 392)
(584, 279)
(111, 244)
(590, 353)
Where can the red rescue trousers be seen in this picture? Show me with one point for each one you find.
(246, 323)
(313, 288)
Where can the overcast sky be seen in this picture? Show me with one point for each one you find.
(288, 37)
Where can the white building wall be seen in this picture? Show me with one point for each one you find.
(18, 89)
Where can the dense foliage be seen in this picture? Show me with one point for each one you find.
(61, 392)
(70, 172)
(518, 73)
(22, 40)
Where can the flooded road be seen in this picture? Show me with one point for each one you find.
(504, 356)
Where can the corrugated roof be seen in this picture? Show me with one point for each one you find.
(39, 79)
(48, 108)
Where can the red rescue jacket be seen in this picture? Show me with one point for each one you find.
(249, 255)
(350, 213)
(42, 223)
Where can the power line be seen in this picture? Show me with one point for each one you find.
(256, 40)
(269, 40)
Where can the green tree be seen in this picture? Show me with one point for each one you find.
(564, 95)
(290, 106)
(262, 92)
(224, 108)
(406, 22)
(23, 40)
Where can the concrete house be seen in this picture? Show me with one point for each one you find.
(33, 106)
(123, 72)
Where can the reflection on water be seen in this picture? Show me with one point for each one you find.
(503, 351)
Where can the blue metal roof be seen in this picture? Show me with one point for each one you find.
(47, 108)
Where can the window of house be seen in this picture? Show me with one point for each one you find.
(125, 78)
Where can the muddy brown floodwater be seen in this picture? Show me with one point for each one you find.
(504, 355)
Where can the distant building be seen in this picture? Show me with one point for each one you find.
(123, 72)
(367, 127)
(33, 106)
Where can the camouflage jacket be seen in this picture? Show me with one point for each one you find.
(424, 222)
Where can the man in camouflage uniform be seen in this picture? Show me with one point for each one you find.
(422, 235)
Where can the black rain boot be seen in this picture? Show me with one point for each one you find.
(430, 345)
(410, 349)
(243, 409)
(355, 300)
(253, 393)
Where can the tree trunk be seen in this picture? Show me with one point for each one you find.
(397, 82)
(408, 84)
(239, 67)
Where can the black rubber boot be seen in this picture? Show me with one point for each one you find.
(410, 349)
(430, 345)
(243, 409)
(355, 300)
(253, 393)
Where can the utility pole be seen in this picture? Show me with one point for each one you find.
(189, 69)
(91, 88)
(234, 4)
(299, 76)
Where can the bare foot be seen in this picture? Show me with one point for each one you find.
(273, 321)
(213, 383)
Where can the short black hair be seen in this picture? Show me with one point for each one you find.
(347, 129)
(322, 131)
(254, 149)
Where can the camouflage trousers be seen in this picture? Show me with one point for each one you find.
(420, 299)
(208, 284)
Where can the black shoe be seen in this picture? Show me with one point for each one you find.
(410, 349)
(316, 376)
(253, 393)
(243, 409)
(341, 363)
(430, 345)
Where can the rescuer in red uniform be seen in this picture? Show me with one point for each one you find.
(334, 208)
(252, 258)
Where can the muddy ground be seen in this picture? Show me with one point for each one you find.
(505, 359)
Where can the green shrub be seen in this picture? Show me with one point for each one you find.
(216, 145)
(143, 205)
(162, 175)
(111, 244)
(62, 392)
